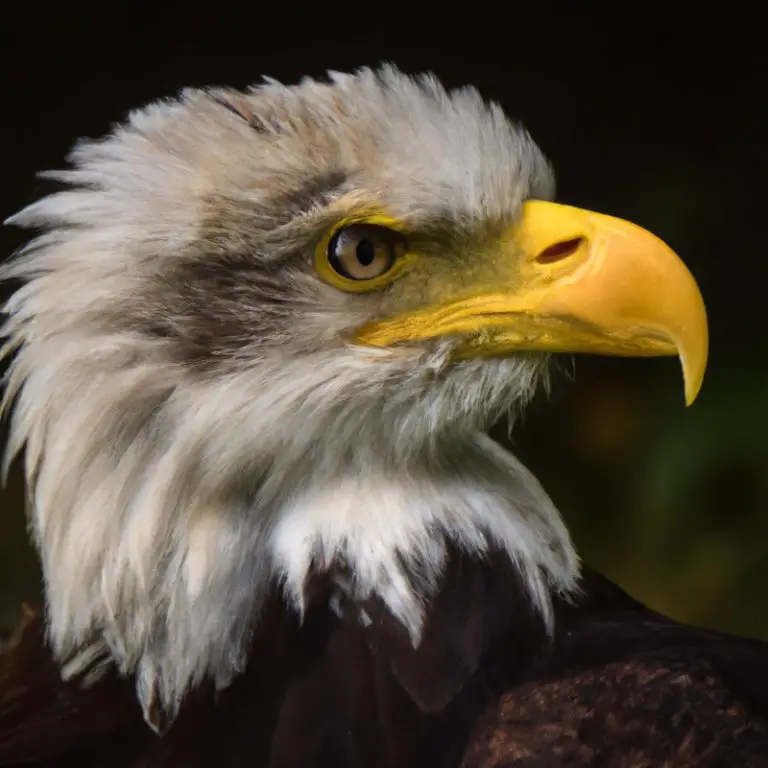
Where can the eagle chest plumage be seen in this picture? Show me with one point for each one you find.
(252, 364)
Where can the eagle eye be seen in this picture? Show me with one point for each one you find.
(365, 251)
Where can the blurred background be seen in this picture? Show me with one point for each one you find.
(663, 127)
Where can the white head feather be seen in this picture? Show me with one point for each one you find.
(197, 429)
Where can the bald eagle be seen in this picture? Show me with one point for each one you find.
(254, 352)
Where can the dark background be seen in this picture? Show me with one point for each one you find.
(642, 120)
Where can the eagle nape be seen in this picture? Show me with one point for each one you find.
(251, 366)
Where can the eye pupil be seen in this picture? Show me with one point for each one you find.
(366, 252)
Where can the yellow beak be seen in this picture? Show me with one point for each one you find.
(571, 281)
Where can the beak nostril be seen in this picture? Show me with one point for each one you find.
(560, 251)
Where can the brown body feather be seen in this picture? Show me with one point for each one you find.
(617, 686)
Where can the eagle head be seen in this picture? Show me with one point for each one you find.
(261, 335)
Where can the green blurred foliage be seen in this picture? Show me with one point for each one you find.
(669, 502)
